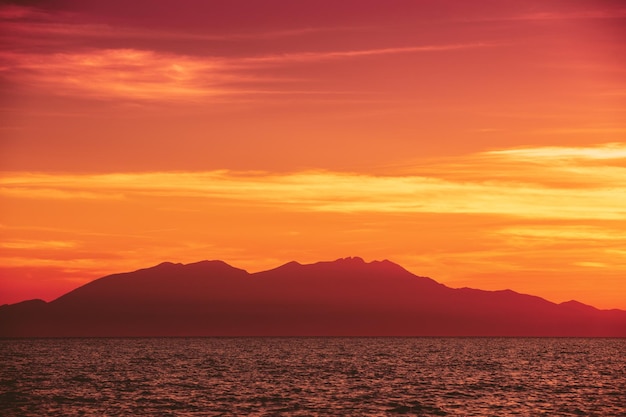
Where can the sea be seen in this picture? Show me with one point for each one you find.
(313, 377)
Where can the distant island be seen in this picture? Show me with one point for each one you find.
(346, 297)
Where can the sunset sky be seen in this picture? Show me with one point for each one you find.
(481, 143)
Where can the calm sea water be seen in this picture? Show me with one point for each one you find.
(313, 377)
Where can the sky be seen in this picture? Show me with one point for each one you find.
(482, 143)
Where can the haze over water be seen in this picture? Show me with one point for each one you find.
(313, 376)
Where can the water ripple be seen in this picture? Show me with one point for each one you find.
(313, 377)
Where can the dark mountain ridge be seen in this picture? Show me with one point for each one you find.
(346, 297)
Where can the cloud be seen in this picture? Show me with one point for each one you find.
(604, 152)
(499, 182)
(573, 15)
(107, 32)
(592, 264)
(601, 166)
(565, 233)
(49, 56)
(552, 15)
(37, 244)
(329, 55)
(69, 263)
(14, 12)
(120, 73)
(35, 22)
(133, 74)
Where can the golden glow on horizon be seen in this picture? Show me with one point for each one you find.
(589, 218)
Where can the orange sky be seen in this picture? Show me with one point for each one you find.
(480, 143)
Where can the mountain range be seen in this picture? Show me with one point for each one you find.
(346, 297)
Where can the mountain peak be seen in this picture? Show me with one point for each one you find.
(577, 305)
(357, 260)
(167, 264)
(200, 265)
(352, 259)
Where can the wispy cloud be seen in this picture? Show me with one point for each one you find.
(159, 76)
(566, 232)
(107, 32)
(599, 130)
(521, 193)
(13, 12)
(37, 244)
(329, 55)
(36, 22)
(573, 15)
(601, 166)
(62, 53)
(553, 15)
(120, 73)
(604, 152)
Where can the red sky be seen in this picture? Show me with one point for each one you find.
(480, 143)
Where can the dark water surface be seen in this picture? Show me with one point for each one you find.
(313, 376)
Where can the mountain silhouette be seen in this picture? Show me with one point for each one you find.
(346, 297)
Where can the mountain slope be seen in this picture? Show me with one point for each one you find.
(345, 297)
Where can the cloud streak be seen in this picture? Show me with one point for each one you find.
(573, 15)
(330, 55)
(33, 22)
(602, 196)
(159, 76)
(49, 55)
(38, 244)
(119, 73)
